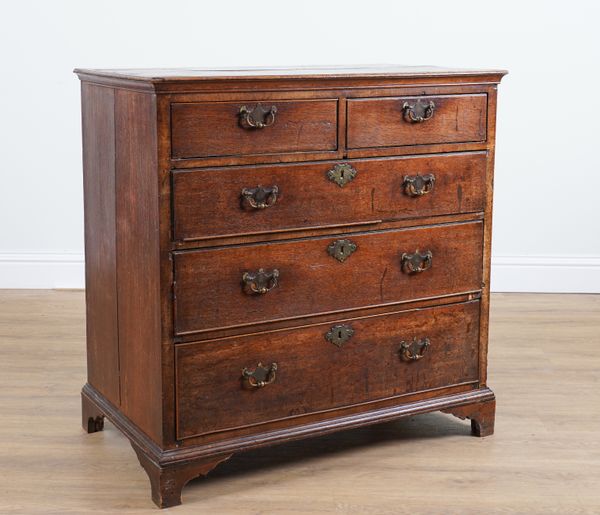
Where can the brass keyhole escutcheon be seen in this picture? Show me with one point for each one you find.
(342, 249)
(339, 334)
(341, 174)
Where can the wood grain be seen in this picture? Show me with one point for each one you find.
(138, 260)
(198, 79)
(279, 92)
(163, 115)
(207, 202)
(367, 367)
(208, 282)
(213, 128)
(543, 459)
(301, 72)
(487, 235)
(380, 122)
(98, 128)
(482, 416)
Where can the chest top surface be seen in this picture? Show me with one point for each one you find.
(164, 79)
(384, 70)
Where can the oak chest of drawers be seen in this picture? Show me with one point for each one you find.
(277, 254)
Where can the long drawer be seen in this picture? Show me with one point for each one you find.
(245, 200)
(400, 121)
(207, 129)
(243, 285)
(295, 372)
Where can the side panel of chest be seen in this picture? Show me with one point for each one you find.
(122, 252)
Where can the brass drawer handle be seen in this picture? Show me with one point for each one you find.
(416, 262)
(257, 117)
(260, 377)
(418, 185)
(418, 112)
(260, 197)
(414, 350)
(260, 282)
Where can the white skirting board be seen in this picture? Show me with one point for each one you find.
(41, 270)
(544, 274)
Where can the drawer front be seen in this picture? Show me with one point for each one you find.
(246, 200)
(384, 356)
(223, 287)
(210, 129)
(400, 121)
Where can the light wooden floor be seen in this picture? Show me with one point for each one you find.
(544, 457)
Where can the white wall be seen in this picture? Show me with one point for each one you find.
(547, 214)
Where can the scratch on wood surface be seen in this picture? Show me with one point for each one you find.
(381, 283)
(456, 118)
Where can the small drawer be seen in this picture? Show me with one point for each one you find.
(294, 372)
(419, 120)
(212, 129)
(242, 285)
(248, 200)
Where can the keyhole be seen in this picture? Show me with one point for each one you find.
(340, 335)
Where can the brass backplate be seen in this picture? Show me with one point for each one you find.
(341, 174)
(339, 334)
(341, 249)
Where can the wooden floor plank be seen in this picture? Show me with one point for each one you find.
(543, 459)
